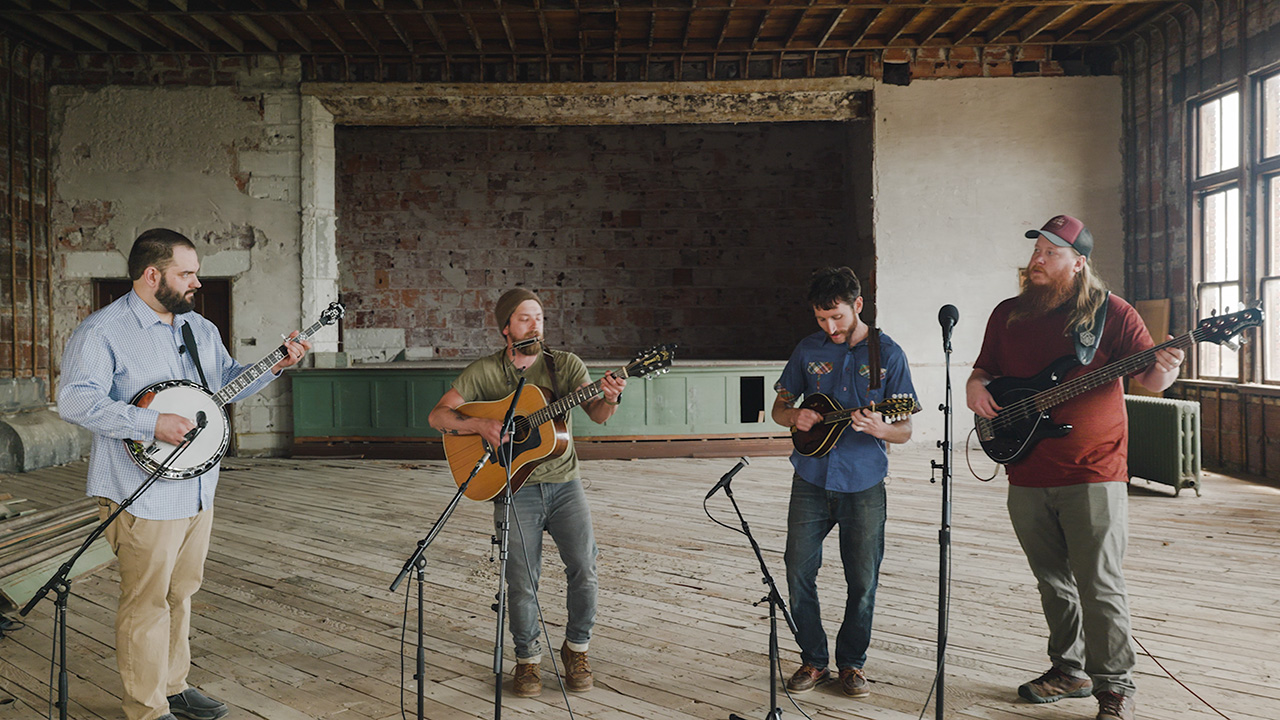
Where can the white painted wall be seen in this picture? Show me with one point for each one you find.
(222, 166)
(962, 169)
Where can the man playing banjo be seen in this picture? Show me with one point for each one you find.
(161, 540)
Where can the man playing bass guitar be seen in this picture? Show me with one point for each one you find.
(1068, 498)
(855, 366)
(551, 497)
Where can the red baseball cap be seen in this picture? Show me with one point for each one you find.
(1066, 231)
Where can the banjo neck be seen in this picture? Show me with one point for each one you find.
(255, 371)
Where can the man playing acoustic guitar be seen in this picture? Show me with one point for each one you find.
(855, 366)
(551, 497)
(162, 539)
(1068, 497)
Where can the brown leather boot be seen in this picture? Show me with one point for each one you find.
(526, 680)
(577, 671)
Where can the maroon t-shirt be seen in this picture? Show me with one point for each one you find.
(1097, 448)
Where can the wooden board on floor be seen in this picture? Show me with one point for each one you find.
(295, 619)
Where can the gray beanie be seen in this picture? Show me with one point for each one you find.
(508, 303)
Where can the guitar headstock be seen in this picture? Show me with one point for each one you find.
(654, 361)
(898, 407)
(333, 313)
(1222, 328)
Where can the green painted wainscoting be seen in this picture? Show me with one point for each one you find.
(708, 408)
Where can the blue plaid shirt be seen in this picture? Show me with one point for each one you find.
(858, 461)
(116, 352)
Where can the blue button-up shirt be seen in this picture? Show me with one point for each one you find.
(116, 352)
(858, 461)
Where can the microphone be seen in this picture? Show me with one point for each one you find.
(201, 422)
(948, 316)
(724, 481)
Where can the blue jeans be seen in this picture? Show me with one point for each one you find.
(861, 517)
(560, 509)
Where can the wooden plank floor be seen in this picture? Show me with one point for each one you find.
(295, 619)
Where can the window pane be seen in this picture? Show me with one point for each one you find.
(1273, 223)
(1270, 330)
(1271, 117)
(1220, 230)
(1219, 134)
(1219, 360)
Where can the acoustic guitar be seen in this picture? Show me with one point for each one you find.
(1024, 403)
(819, 439)
(541, 432)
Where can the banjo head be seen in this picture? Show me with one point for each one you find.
(188, 399)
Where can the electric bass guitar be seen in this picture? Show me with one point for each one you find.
(540, 431)
(819, 439)
(194, 401)
(1024, 419)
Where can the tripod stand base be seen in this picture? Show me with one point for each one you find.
(774, 714)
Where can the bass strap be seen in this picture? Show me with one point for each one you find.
(1087, 339)
(189, 339)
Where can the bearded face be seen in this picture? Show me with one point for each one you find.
(174, 301)
(1049, 280)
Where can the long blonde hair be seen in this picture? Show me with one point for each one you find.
(1091, 292)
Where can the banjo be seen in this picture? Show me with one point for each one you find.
(192, 400)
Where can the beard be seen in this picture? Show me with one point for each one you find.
(1039, 300)
(172, 300)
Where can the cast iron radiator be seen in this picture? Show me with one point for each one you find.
(1164, 441)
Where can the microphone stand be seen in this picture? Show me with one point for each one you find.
(944, 532)
(416, 560)
(774, 598)
(60, 582)
(505, 455)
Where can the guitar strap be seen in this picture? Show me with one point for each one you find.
(873, 357)
(189, 339)
(551, 370)
(1088, 339)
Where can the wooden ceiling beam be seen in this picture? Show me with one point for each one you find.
(39, 29)
(1042, 21)
(688, 23)
(908, 16)
(724, 25)
(178, 27)
(864, 28)
(980, 16)
(1082, 18)
(220, 32)
(933, 27)
(1127, 17)
(72, 27)
(998, 29)
(542, 26)
(471, 26)
(831, 26)
(434, 26)
(289, 28)
(506, 25)
(755, 37)
(795, 27)
(328, 31)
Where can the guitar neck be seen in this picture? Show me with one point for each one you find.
(1111, 372)
(572, 400)
(255, 371)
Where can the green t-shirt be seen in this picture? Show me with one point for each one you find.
(493, 377)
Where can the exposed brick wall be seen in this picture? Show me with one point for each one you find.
(1174, 61)
(25, 319)
(702, 235)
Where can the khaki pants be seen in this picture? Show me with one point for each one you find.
(161, 567)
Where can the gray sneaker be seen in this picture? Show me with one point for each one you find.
(1055, 685)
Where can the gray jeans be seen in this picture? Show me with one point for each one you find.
(560, 509)
(1074, 538)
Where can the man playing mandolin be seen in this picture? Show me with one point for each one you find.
(551, 497)
(162, 539)
(1068, 498)
(854, 366)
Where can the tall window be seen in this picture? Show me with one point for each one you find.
(1268, 169)
(1217, 201)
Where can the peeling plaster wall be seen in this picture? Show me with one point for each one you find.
(963, 169)
(219, 164)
